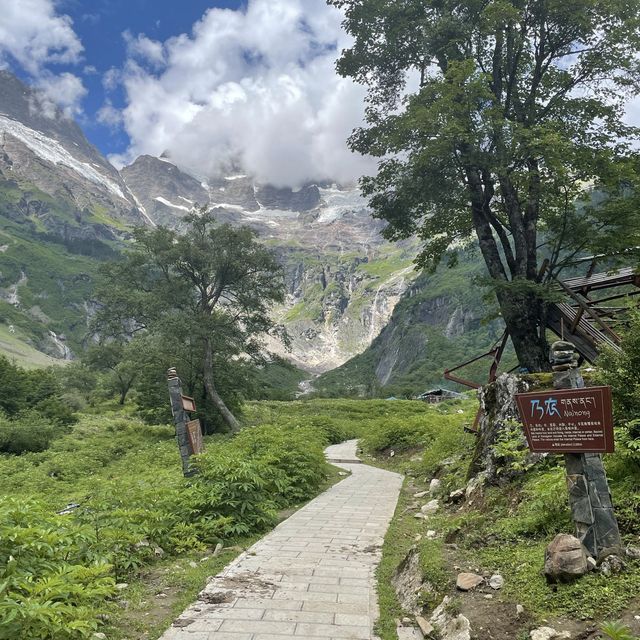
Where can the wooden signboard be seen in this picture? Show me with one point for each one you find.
(194, 431)
(188, 404)
(568, 420)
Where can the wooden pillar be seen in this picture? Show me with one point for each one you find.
(180, 419)
(589, 495)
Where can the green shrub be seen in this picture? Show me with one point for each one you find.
(50, 587)
(228, 486)
(30, 432)
(396, 434)
(292, 456)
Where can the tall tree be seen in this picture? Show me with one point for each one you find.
(211, 285)
(498, 118)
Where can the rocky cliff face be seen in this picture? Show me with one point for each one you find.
(41, 150)
(441, 320)
(343, 279)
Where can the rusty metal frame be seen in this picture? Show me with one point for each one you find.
(495, 352)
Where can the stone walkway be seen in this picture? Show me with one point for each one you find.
(312, 576)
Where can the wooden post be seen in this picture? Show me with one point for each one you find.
(589, 495)
(180, 418)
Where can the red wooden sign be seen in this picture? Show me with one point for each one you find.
(194, 431)
(568, 420)
(188, 404)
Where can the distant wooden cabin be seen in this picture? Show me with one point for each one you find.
(438, 395)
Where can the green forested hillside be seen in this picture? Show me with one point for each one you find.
(49, 256)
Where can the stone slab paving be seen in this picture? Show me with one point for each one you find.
(312, 576)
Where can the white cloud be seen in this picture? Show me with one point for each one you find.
(256, 87)
(65, 90)
(34, 36)
(109, 115)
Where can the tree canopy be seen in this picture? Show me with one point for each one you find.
(503, 120)
(205, 294)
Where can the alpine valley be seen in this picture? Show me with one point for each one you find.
(64, 209)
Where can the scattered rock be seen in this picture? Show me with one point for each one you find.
(591, 563)
(99, 636)
(408, 633)
(142, 543)
(475, 485)
(612, 564)
(565, 559)
(158, 551)
(456, 496)
(519, 610)
(431, 534)
(450, 627)
(121, 586)
(425, 626)
(468, 581)
(392, 453)
(161, 595)
(431, 507)
(496, 581)
(343, 473)
(488, 596)
(632, 552)
(420, 516)
(218, 550)
(193, 564)
(406, 621)
(548, 633)
(417, 537)
(420, 494)
(434, 486)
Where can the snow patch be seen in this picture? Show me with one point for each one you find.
(52, 151)
(165, 202)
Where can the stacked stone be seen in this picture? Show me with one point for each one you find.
(563, 356)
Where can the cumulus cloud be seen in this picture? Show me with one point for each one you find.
(255, 87)
(33, 35)
(65, 90)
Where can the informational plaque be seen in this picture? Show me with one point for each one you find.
(568, 420)
(188, 404)
(194, 431)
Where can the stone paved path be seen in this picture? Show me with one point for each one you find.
(312, 576)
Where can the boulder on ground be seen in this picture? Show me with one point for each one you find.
(496, 581)
(431, 507)
(434, 486)
(565, 559)
(468, 581)
(548, 633)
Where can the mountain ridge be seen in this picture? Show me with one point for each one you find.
(60, 197)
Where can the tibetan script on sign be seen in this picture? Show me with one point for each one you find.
(194, 431)
(568, 420)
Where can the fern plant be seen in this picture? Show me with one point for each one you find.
(618, 631)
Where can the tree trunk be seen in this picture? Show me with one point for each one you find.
(210, 386)
(523, 314)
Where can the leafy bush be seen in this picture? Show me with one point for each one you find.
(396, 434)
(30, 432)
(50, 585)
(292, 456)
